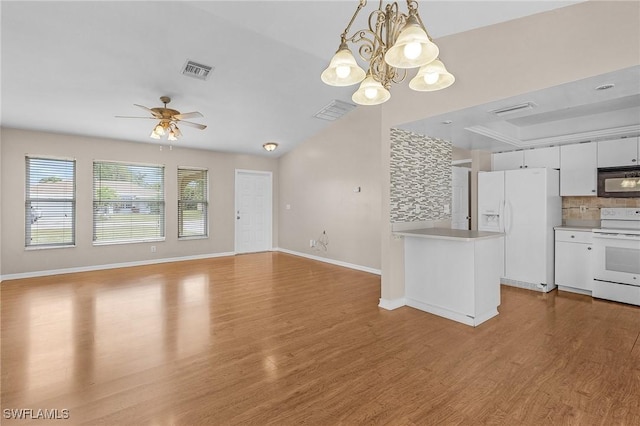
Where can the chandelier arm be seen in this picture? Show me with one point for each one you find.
(362, 4)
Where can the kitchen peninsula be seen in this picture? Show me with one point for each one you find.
(454, 273)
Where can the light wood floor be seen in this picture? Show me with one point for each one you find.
(272, 338)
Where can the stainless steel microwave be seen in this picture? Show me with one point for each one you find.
(619, 182)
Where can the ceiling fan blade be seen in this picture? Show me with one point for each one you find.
(196, 125)
(194, 114)
(126, 116)
(149, 110)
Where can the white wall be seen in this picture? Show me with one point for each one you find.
(18, 143)
(317, 180)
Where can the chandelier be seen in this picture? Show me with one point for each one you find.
(392, 43)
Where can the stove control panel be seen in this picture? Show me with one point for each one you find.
(620, 213)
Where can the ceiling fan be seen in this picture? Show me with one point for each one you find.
(168, 120)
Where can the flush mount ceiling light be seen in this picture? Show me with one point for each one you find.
(270, 146)
(393, 43)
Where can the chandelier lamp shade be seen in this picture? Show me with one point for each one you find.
(392, 43)
(433, 76)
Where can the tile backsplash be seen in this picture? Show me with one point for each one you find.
(590, 211)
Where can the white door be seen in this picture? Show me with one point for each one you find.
(460, 198)
(253, 211)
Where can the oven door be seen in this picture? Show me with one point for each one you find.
(617, 256)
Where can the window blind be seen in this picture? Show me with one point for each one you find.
(50, 203)
(192, 203)
(128, 202)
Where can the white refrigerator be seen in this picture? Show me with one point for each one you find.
(526, 205)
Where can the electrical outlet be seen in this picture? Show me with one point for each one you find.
(583, 209)
(312, 243)
(153, 249)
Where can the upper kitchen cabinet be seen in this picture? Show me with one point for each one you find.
(619, 152)
(530, 158)
(542, 157)
(507, 160)
(578, 169)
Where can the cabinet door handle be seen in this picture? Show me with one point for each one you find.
(593, 190)
(573, 236)
(633, 160)
(588, 248)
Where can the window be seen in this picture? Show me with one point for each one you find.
(128, 202)
(50, 204)
(192, 203)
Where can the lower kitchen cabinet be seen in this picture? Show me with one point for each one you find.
(573, 258)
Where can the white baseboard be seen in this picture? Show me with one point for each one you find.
(452, 315)
(110, 266)
(390, 305)
(331, 261)
(574, 290)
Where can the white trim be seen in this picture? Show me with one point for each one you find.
(390, 305)
(452, 315)
(460, 162)
(575, 290)
(331, 261)
(110, 266)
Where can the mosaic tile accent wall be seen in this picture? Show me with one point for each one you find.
(420, 177)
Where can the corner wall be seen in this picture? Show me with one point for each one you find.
(318, 184)
(18, 143)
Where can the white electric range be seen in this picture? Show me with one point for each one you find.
(617, 255)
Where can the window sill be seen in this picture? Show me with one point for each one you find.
(199, 237)
(113, 243)
(36, 248)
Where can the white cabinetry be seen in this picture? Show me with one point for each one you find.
(530, 158)
(619, 152)
(574, 251)
(507, 160)
(578, 169)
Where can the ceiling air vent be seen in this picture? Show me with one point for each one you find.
(512, 109)
(334, 110)
(196, 70)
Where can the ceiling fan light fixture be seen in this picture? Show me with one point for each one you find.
(154, 135)
(159, 130)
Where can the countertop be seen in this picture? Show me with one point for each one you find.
(449, 234)
(576, 228)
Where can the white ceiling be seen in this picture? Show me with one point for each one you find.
(569, 113)
(71, 67)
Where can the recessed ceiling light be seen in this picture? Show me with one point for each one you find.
(605, 86)
(447, 122)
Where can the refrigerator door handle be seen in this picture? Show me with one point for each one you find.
(507, 217)
(501, 208)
